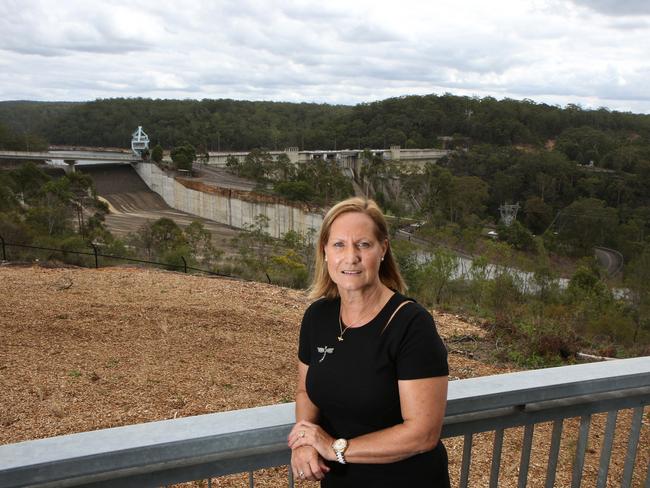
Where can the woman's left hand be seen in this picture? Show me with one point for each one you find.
(308, 434)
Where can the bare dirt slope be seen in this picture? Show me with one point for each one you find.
(87, 349)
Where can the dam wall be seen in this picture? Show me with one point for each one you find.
(237, 208)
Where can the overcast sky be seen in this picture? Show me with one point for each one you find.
(589, 52)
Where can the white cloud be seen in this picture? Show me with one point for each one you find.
(553, 51)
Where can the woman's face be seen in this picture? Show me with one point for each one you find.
(353, 252)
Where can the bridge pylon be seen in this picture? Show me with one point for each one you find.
(70, 165)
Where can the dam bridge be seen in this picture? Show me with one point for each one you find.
(69, 159)
(75, 156)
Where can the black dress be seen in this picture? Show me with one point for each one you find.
(354, 385)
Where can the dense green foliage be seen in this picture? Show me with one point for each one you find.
(411, 121)
(164, 241)
(63, 212)
(516, 151)
(183, 156)
(287, 261)
(13, 140)
(534, 320)
(209, 124)
(321, 182)
(574, 207)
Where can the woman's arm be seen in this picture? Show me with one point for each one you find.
(305, 409)
(306, 459)
(423, 403)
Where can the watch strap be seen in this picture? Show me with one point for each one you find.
(339, 457)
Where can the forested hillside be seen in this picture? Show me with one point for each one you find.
(580, 176)
(413, 121)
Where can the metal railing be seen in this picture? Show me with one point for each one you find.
(240, 441)
(95, 252)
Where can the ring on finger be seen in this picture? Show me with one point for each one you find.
(302, 433)
(301, 474)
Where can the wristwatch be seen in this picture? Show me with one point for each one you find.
(339, 446)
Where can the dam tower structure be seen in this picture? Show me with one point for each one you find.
(139, 142)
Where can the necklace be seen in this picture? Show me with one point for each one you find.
(341, 329)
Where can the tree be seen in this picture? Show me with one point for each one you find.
(82, 192)
(637, 278)
(478, 274)
(437, 273)
(256, 247)
(52, 215)
(183, 156)
(8, 200)
(295, 190)
(257, 165)
(517, 236)
(435, 191)
(166, 235)
(199, 240)
(467, 197)
(586, 223)
(232, 163)
(537, 214)
(28, 180)
(157, 154)
(282, 169)
(584, 144)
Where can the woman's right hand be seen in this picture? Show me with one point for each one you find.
(306, 460)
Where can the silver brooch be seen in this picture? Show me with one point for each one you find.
(324, 351)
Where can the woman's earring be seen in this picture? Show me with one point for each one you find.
(382, 258)
(326, 258)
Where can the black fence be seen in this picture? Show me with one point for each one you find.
(96, 254)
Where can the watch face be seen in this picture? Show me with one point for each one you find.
(340, 444)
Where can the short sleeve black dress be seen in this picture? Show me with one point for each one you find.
(354, 384)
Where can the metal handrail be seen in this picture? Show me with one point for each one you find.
(217, 444)
(97, 254)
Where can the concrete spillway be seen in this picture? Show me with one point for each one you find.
(237, 208)
(133, 204)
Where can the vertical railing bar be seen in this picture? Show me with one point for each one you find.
(467, 459)
(581, 448)
(632, 445)
(290, 476)
(553, 453)
(4, 252)
(95, 253)
(496, 458)
(251, 481)
(209, 482)
(525, 455)
(606, 449)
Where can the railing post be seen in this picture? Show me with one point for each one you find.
(4, 252)
(184, 265)
(95, 251)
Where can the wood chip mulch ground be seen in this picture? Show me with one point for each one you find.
(90, 349)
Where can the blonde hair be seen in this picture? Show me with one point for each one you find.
(322, 285)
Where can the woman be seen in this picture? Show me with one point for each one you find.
(372, 370)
